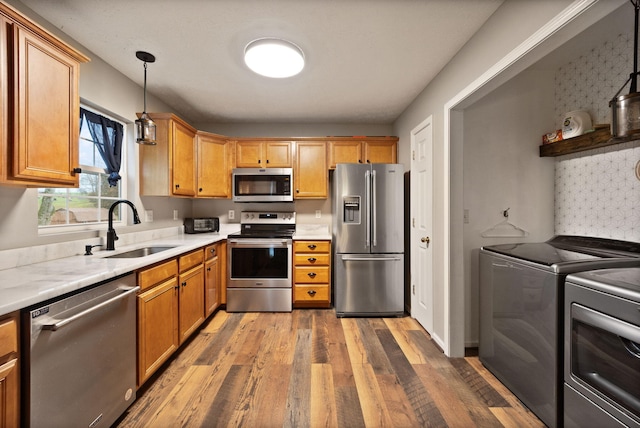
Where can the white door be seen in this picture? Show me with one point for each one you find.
(421, 224)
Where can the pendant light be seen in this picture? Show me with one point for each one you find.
(145, 127)
(625, 109)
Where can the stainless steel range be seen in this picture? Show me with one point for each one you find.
(260, 263)
(521, 312)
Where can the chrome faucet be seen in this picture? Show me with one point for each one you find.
(111, 233)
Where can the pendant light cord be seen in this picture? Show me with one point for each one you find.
(144, 108)
(633, 88)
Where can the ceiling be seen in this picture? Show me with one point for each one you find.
(367, 60)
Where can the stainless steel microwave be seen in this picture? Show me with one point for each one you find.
(263, 185)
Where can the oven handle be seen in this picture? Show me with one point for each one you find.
(263, 242)
(624, 330)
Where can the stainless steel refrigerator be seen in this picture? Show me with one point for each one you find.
(368, 237)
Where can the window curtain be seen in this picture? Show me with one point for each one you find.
(107, 136)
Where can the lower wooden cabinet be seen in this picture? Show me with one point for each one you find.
(191, 301)
(158, 320)
(312, 274)
(212, 278)
(9, 372)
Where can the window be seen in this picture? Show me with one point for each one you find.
(90, 202)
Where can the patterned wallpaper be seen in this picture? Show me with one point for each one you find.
(597, 192)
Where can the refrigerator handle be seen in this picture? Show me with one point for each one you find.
(373, 211)
(367, 180)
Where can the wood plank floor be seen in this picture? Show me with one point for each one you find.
(310, 369)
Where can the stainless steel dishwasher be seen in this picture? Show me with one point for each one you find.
(80, 365)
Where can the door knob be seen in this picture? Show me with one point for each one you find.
(425, 239)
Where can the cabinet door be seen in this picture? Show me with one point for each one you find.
(249, 154)
(157, 327)
(311, 174)
(214, 166)
(184, 172)
(222, 255)
(278, 154)
(9, 398)
(45, 104)
(211, 284)
(344, 152)
(191, 301)
(380, 151)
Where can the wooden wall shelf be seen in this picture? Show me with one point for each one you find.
(600, 137)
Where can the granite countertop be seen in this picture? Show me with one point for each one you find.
(30, 284)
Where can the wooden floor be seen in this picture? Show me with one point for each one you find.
(311, 369)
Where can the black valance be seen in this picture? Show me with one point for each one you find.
(107, 135)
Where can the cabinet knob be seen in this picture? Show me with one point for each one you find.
(76, 171)
(311, 293)
(177, 186)
(297, 190)
(359, 160)
(311, 259)
(213, 251)
(267, 160)
(184, 284)
(312, 274)
(200, 189)
(208, 269)
(311, 246)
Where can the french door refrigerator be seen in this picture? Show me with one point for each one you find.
(368, 236)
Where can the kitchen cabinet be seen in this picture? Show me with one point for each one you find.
(212, 279)
(9, 371)
(39, 107)
(169, 167)
(191, 299)
(157, 317)
(263, 154)
(215, 160)
(222, 256)
(365, 150)
(311, 274)
(310, 175)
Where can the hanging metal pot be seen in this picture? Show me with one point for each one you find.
(625, 109)
(625, 115)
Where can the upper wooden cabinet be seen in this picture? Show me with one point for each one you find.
(263, 154)
(39, 108)
(169, 167)
(215, 160)
(366, 150)
(310, 171)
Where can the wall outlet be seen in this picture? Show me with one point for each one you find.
(175, 214)
(232, 214)
(318, 214)
(148, 216)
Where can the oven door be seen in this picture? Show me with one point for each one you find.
(259, 263)
(602, 358)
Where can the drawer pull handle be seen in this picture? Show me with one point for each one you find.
(311, 293)
(311, 247)
(312, 274)
(311, 259)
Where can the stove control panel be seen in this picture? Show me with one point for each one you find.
(268, 217)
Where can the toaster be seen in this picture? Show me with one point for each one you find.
(201, 225)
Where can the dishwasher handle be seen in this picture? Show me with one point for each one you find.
(58, 325)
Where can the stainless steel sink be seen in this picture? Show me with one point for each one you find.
(139, 252)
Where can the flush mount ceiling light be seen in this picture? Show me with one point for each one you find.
(145, 127)
(275, 58)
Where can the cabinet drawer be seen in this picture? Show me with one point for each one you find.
(190, 260)
(311, 246)
(8, 337)
(311, 259)
(149, 277)
(210, 252)
(311, 293)
(311, 275)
